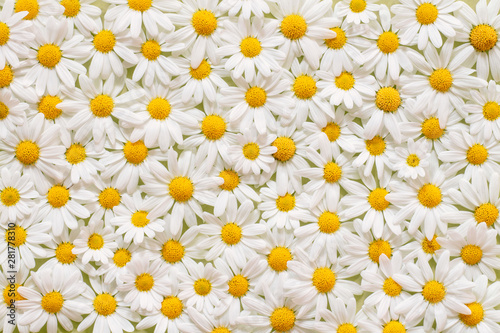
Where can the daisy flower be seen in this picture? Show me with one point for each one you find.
(479, 252)
(47, 104)
(234, 236)
(51, 63)
(479, 35)
(411, 160)
(12, 80)
(135, 13)
(201, 286)
(350, 88)
(108, 197)
(438, 293)
(419, 245)
(145, 283)
(206, 323)
(54, 299)
(250, 45)
(181, 189)
(343, 316)
(14, 35)
(483, 315)
(258, 102)
(248, 7)
(484, 111)
(200, 21)
(12, 296)
(356, 11)
(80, 14)
(83, 161)
(109, 311)
(133, 221)
(122, 256)
(95, 242)
(12, 113)
(373, 323)
(420, 22)
(34, 151)
(39, 11)
(302, 26)
(16, 194)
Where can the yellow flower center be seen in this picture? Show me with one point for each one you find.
(151, 50)
(95, 242)
(471, 254)
(491, 111)
(345, 81)
(251, 151)
(285, 203)
(430, 246)
(20, 235)
(49, 55)
(9, 196)
(476, 316)
(140, 5)
(52, 302)
(136, 152)
(47, 106)
(332, 172)
(104, 304)
(238, 286)
(102, 106)
(377, 247)
(75, 154)
(293, 26)
(231, 180)
(201, 72)
(144, 282)
(202, 287)
(6, 76)
(4, 33)
(159, 108)
(278, 258)
(434, 291)
(204, 22)
(375, 146)
(171, 307)
(388, 42)
(255, 97)
(388, 99)
(109, 198)
(391, 287)
(71, 7)
(4, 111)
(328, 222)
(250, 47)
(487, 213)
(181, 189)
(429, 195)
(347, 328)
(140, 219)
(231, 233)
(483, 37)
(213, 127)
(220, 330)
(172, 251)
(412, 160)
(58, 196)
(30, 6)
(11, 295)
(357, 6)
(304, 87)
(286, 148)
(337, 42)
(426, 13)
(431, 129)
(64, 253)
(27, 152)
(104, 41)
(394, 326)
(441, 80)
(332, 131)
(376, 198)
(282, 319)
(122, 257)
(323, 279)
(477, 154)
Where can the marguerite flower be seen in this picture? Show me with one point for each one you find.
(122, 256)
(411, 160)
(356, 11)
(12, 296)
(80, 14)
(11, 79)
(16, 194)
(12, 113)
(39, 11)
(484, 111)
(95, 242)
(343, 316)
(108, 197)
(83, 161)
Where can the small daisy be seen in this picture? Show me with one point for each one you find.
(419, 245)
(356, 11)
(95, 242)
(206, 323)
(343, 316)
(394, 323)
(145, 284)
(47, 104)
(410, 160)
(12, 113)
(122, 256)
(484, 111)
(248, 7)
(135, 13)
(11, 80)
(80, 14)
(133, 221)
(420, 22)
(83, 161)
(54, 299)
(438, 293)
(108, 197)
(16, 194)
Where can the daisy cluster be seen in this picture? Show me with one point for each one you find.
(226, 166)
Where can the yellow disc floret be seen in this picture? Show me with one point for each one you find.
(346, 328)
(255, 97)
(221, 330)
(151, 50)
(430, 246)
(483, 37)
(388, 99)
(391, 288)
(388, 42)
(394, 326)
(140, 5)
(109, 198)
(104, 41)
(172, 251)
(6, 76)
(171, 307)
(328, 222)
(64, 253)
(431, 129)
(30, 6)
(429, 195)
(332, 131)
(71, 7)
(49, 55)
(471, 254)
(4, 33)
(375, 146)
(102, 106)
(377, 247)
(181, 189)
(476, 316)
(231, 233)
(52, 302)
(201, 72)
(337, 42)
(377, 200)
(332, 172)
(357, 6)
(135, 152)
(426, 13)
(286, 148)
(345, 81)
(434, 291)
(104, 304)
(251, 151)
(323, 279)
(9, 196)
(144, 282)
(477, 154)
(231, 180)
(27, 152)
(11, 295)
(487, 213)
(95, 241)
(20, 235)
(202, 287)
(4, 111)
(412, 160)
(47, 106)
(159, 108)
(250, 47)
(282, 319)
(58, 196)
(122, 257)
(213, 127)
(293, 26)
(491, 111)
(285, 203)
(441, 80)
(238, 286)
(304, 87)
(278, 258)
(204, 22)
(140, 219)
(75, 154)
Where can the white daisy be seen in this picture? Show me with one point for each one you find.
(248, 7)
(122, 256)
(80, 14)
(83, 161)
(419, 245)
(108, 197)
(95, 242)
(375, 324)
(410, 160)
(12, 113)
(342, 317)
(16, 194)
(356, 11)
(484, 111)
(47, 104)
(39, 11)
(206, 323)
(11, 79)
(12, 296)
